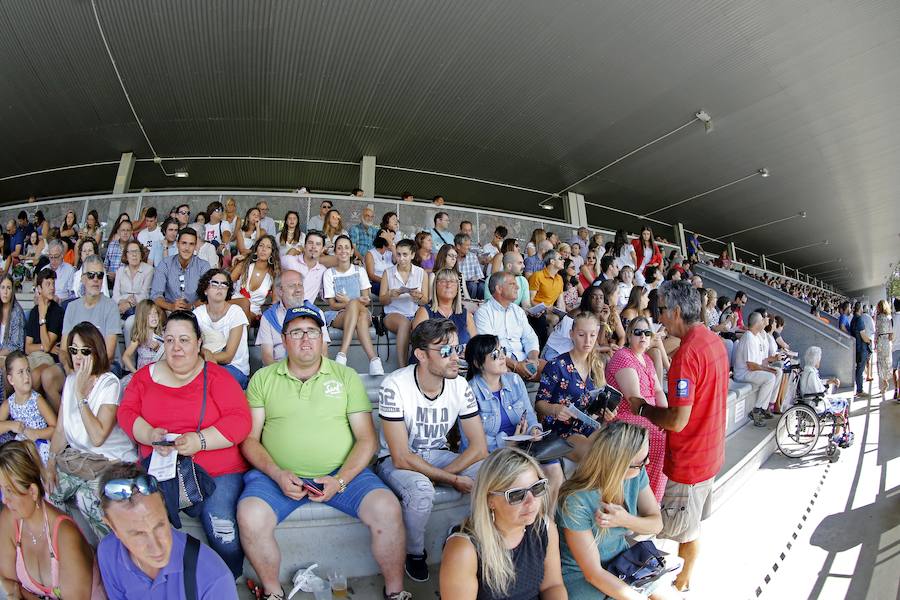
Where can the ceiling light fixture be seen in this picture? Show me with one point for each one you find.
(801, 215)
(763, 172)
(700, 115)
(822, 243)
(181, 173)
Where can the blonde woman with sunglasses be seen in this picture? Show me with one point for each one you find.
(507, 547)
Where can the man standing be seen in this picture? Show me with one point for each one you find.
(145, 557)
(317, 222)
(418, 405)
(693, 245)
(266, 223)
(440, 234)
(407, 197)
(175, 280)
(319, 439)
(151, 234)
(289, 289)
(363, 233)
(862, 328)
(751, 365)
(308, 265)
(65, 273)
(844, 317)
(694, 420)
(501, 316)
(469, 265)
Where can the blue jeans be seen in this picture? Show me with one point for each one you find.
(218, 516)
(862, 358)
(242, 379)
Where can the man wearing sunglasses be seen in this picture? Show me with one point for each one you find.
(175, 279)
(145, 557)
(319, 439)
(94, 306)
(317, 222)
(418, 405)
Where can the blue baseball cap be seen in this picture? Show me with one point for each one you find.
(304, 310)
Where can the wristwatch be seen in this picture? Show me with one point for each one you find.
(42, 322)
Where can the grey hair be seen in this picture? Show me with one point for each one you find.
(496, 280)
(545, 246)
(812, 356)
(93, 258)
(754, 318)
(280, 275)
(509, 259)
(683, 295)
(549, 256)
(56, 244)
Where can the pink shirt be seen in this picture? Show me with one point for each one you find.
(312, 277)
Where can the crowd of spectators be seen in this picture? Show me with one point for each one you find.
(136, 358)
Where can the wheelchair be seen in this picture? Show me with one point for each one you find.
(800, 427)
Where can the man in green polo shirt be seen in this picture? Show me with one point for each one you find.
(311, 441)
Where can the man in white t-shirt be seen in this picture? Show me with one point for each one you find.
(151, 234)
(418, 405)
(289, 290)
(217, 231)
(751, 365)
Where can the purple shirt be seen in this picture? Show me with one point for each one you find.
(123, 579)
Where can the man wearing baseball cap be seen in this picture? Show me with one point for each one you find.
(319, 439)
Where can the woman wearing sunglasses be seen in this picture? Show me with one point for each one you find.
(39, 544)
(607, 497)
(631, 371)
(507, 547)
(86, 426)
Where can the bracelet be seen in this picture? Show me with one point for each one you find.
(641, 409)
(202, 440)
(342, 486)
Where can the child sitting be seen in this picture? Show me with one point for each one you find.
(146, 337)
(30, 416)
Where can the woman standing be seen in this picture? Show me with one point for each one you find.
(346, 288)
(646, 252)
(253, 277)
(446, 303)
(632, 372)
(167, 398)
(12, 319)
(134, 279)
(508, 547)
(379, 258)
(623, 251)
(884, 336)
(223, 325)
(87, 424)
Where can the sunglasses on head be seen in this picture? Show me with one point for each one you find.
(123, 489)
(517, 496)
(74, 350)
(93, 275)
(447, 349)
(643, 332)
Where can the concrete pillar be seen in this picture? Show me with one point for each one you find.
(123, 175)
(576, 212)
(367, 176)
(680, 238)
(762, 261)
(783, 270)
(732, 251)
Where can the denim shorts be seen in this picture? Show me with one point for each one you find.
(895, 359)
(259, 485)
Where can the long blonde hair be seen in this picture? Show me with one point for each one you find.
(497, 474)
(604, 466)
(449, 275)
(141, 333)
(595, 362)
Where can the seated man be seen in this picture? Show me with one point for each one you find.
(65, 272)
(500, 316)
(514, 264)
(418, 405)
(308, 265)
(145, 557)
(43, 330)
(94, 306)
(175, 279)
(751, 365)
(289, 290)
(319, 439)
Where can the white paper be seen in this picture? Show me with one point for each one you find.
(163, 467)
(537, 309)
(525, 437)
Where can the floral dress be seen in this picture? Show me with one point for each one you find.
(561, 384)
(28, 414)
(646, 373)
(883, 328)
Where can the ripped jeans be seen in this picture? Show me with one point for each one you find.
(416, 493)
(218, 516)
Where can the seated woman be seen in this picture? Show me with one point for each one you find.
(508, 547)
(607, 498)
(502, 400)
(570, 285)
(566, 381)
(424, 256)
(631, 371)
(168, 397)
(588, 271)
(133, 279)
(248, 233)
(496, 264)
(379, 258)
(223, 326)
(446, 303)
(560, 340)
(254, 276)
(635, 306)
(12, 318)
(346, 288)
(42, 552)
(332, 227)
(86, 426)
(403, 290)
(811, 383)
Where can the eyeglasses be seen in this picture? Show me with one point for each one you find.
(299, 334)
(643, 463)
(498, 352)
(447, 349)
(217, 210)
(218, 284)
(123, 489)
(328, 206)
(75, 350)
(517, 496)
(93, 275)
(184, 212)
(643, 332)
(54, 256)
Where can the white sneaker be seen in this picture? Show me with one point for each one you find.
(375, 367)
(341, 359)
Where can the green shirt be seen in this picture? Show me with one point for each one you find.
(306, 429)
(523, 290)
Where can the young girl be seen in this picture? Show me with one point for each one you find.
(30, 417)
(146, 337)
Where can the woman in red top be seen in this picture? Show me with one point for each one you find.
(166, 398)
(646, 250)
(631, 371)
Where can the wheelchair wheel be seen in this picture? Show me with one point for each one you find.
(832, 452)
(797, 431)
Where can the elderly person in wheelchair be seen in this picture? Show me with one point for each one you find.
(813, 388)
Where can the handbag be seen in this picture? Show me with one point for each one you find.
(191, 485)
(639, 564)
(550, 447)
(84, 465)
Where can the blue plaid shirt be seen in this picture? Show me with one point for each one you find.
(363, 237)
(533, 264)
(470, 267)
(113, 256)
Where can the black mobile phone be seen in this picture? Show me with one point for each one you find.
(316, 489)
(605, 398)
(163, 443)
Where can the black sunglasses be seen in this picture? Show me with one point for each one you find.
(643, 332)
(93, 275)
(517, 496)
(74, 350)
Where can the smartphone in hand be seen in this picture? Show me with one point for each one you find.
(315, 489)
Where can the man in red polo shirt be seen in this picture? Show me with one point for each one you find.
(694, 419)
